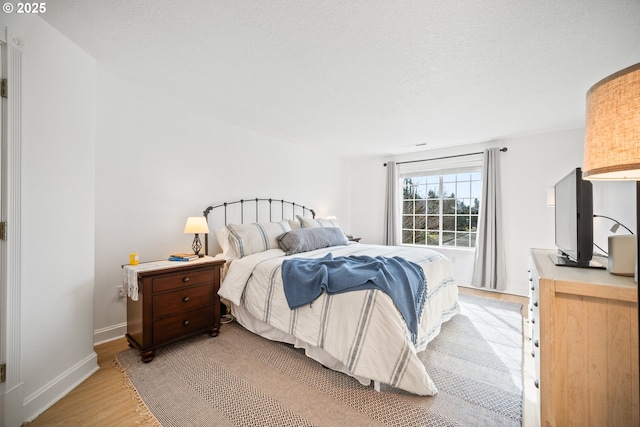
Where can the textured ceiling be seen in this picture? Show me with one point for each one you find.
(365, 77)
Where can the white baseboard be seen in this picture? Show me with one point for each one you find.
(56, 389)
(506, 292)
(11, 402)
(110, 333)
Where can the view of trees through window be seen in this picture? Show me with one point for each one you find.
(441, 210)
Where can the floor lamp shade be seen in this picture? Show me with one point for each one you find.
(612, 135)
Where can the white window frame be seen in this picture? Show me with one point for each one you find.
(440, 168)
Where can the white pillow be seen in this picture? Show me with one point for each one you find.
(295, 224)
(249, 239)
(228, 250)
(317, 223)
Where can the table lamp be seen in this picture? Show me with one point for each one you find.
(196, 225)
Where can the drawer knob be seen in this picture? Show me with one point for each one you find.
(533, 353)
(185, 279)
(536, 383)
(185, 323)
(533, 320)
(536, 343)
(185, 299)
(535, 303)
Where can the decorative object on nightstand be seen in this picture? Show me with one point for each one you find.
(183, 257)
(134, 258)
(196, 225)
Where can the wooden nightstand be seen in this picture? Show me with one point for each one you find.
(174, 300)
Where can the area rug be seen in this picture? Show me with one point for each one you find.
(240, 379)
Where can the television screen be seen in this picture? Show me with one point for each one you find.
(574, 221)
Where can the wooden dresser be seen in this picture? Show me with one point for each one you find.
(174, 301)
(584, 340)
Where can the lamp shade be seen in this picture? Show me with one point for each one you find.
(196, 225)
(612, 136)
(551, 197)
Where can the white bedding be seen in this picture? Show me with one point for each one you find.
(360, 333)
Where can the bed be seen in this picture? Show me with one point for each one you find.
(361, 333)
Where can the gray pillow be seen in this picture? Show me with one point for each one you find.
(308, 239)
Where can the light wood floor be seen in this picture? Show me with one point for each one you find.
(101, 400)
(104, 400)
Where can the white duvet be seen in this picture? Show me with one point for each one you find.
(361, 333)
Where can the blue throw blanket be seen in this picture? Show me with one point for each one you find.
(305, 279)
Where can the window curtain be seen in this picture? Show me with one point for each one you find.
(489, 265)
(391, 220)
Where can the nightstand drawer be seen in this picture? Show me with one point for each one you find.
(175, 281)
(182, 324)
(182, 300)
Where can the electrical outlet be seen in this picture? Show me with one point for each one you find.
(120, 292)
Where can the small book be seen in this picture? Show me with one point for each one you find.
(183, 257)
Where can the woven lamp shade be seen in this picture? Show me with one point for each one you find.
(612, 140)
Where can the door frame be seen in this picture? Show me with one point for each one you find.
(12, 390)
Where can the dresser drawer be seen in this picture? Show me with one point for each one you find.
(534, 318)
(179, 280)
(185, 299)
(534, 321)
(182, 324)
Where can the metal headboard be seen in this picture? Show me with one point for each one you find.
(290, 207)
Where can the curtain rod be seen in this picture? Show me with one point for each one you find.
(504, 149)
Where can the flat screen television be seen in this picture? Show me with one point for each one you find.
(574, 221)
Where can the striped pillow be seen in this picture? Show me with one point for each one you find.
(309, 239)
(257, 237)
(317, 223)
(228, 250)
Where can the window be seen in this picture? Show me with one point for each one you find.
(441, 208)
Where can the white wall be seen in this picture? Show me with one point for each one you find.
(57, 223)
(616, 200)
(158, 162)
(531, 165)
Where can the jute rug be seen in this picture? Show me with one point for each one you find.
(240, 379)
